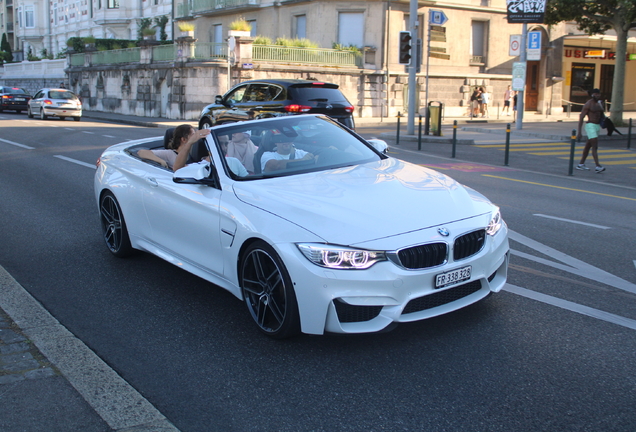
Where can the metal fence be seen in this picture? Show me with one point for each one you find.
(128, 55)
(324, 56)
(209, 50)
(77, 59)
(189, 7)
(219, 51)
(164, 52)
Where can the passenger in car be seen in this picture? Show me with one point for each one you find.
(284, 155)
(183, 138)
(242, 148)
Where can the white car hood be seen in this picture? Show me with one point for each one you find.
(366, 202)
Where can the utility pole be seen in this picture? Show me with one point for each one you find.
(413, 27)
(522, 58)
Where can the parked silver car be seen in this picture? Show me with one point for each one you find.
(55, 102)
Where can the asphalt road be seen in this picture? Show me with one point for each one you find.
(555, 351)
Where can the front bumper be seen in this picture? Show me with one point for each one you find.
(363, 301)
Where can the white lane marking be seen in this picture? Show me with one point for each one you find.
(108, 136)
(75, 161)
(571, 221)
(17, 144)
(573, 265)
(69, 129)
(573, 307)
(88, 132)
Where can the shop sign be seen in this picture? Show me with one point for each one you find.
(525, 11)
(593, 54)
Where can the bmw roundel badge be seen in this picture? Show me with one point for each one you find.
(443, 231)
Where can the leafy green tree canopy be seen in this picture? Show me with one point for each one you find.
(597, 17)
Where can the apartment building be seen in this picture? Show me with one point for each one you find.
(38, 25)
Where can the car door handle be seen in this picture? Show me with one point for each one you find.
(152, 181)
(258, 107)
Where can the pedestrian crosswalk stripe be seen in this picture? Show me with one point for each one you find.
(605, 153)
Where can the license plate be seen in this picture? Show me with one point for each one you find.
(452, 277)
(19, 99)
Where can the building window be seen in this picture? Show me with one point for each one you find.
(217, 39)
(253, 31)
(478, 39)
(29, 18)
(351, 28)
(301, 26)
(113, 4)
(20, 17)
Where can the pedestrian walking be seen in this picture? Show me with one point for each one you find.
(514, 106)
(485, 100)
(593, 109)
(475, 98)
(508, 100)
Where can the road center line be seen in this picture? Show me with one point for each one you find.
(573, 307)
(571, 221)
(17, 144)
(559, 187)
(75, 161)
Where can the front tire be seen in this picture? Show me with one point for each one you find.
(268, 292)
(114, 226)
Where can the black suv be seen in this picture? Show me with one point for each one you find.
(273, 98)
(14, 98)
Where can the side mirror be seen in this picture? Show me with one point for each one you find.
(379, 145)
(218, 100)
(196, 173)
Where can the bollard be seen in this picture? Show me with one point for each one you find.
(454, 137)
(572, 148)
(629, 134)
(507, 144)
(419, 135)
(397, 137)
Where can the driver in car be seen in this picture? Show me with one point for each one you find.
(284, 155)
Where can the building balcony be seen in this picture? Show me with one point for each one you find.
(204, 7)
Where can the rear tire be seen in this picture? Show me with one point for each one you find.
(114, 227)
(29, 113)
(62, 118)
(42, 115)
(77, 118)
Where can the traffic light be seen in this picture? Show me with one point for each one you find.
(405, 47)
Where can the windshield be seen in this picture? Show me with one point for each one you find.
(289, 146)
(15, 91)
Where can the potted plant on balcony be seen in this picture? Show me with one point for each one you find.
(89, 43)
(149, 33)
(187, 29)
(240, 28)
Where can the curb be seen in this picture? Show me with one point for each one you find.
(108, 394)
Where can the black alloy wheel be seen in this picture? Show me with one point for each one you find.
(268, 292)
(114, 227)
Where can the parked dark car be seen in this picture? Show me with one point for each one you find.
(14, 98)
(274, 98)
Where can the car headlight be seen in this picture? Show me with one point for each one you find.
(495, 223)
(339, 257)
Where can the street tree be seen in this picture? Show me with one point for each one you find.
(6, 48)
(597, 17)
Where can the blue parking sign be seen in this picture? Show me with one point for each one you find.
(534, 40)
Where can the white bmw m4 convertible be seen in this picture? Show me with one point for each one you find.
(315, 228)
